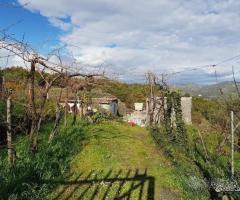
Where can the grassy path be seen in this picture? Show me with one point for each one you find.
(119, 162)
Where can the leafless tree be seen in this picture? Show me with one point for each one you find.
(155, 101)
(37, 64)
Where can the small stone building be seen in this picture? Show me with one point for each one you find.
(107, 103)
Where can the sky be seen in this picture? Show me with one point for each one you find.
(131, 37)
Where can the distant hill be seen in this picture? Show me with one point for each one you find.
(17, 78)
(209, 91)
(127, 93)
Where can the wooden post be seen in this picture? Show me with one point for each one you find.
(151, 102)
(147, 111)
(204, 147)
(66, 108)
(9, 132)
(232, 145)
(2, 86)
(81, 109)
(74, 112)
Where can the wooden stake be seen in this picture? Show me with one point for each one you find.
(9, 132)
(232, 145)
(66, 108)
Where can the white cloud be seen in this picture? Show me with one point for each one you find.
(133, 37)
(8, 59)
(59, 23)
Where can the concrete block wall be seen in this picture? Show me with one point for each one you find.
(186, 104)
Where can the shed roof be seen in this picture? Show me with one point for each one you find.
(105, 100)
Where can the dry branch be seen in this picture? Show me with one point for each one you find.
(38, 64)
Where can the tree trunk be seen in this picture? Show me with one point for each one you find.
(74, 113)
(2, 86)
(35, 135)
(39, 121)
(58, 118)
(57, 121)
(32, 106)
(32, 90)
(81, 109)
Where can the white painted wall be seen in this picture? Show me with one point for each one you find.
(138, 106)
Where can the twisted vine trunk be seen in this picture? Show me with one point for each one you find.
(56, 124)
(2, 86)
(81, 110)
(36, 117)
(32, 106)
(74, 113)
(39, 120)
(57, 120)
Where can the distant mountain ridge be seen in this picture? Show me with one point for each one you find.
(209, 91)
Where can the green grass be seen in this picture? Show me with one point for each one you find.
(120, 153)
(104, 160)
(26, 180)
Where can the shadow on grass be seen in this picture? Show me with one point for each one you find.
(109, 185)
(51, 162)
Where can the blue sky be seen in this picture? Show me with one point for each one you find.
(130, 38)
(34, 27)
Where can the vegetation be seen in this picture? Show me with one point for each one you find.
(28, 178)
(101, 156)
(18, 115)
(91, 151)
(198, 160)
(175, 130)
(127, 93)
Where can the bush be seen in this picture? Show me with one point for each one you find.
(100, 117)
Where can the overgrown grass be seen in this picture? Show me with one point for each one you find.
(96, 160)
(185, 171)
(117, 147)
(27, 179)
(196, 163)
